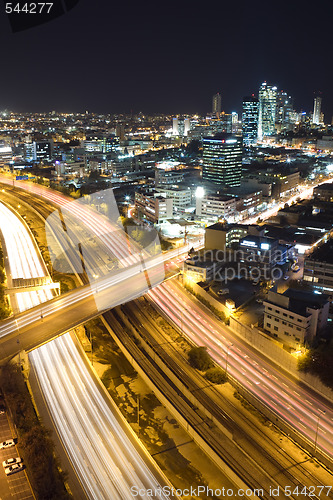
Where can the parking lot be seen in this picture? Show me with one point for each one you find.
(15, 486)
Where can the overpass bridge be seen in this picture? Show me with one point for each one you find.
(40, 324)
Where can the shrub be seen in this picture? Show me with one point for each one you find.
(216, 375)
(199, 358)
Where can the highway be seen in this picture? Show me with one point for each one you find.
(253, 444)
(294, 404)
(103, 449)
(288, 400)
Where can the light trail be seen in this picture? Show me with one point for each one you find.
(293, 403)
(104, 452)
(300, 414)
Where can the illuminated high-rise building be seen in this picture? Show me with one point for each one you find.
(316, 119)
(217, 104)
(187, 126)
(222, 159)
(285, 114)
(175, 127)
(250, 118)
(267, 110)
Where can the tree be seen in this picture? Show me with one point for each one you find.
(216, 375)
(199, 358)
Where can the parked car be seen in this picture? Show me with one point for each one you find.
(295, 269)
(7, 444)
(13, 468)
(286, 278)
(11, 461)
(224, 291)
(259, 301)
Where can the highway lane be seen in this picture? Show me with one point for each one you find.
(250, 378)
(106, 455)
(272, 464)
(105, 452)
(285, 398)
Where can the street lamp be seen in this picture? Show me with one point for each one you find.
(226, 358)
(18, 341)
(322, 412)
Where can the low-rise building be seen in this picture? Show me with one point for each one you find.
(201, 268)
(324, 192)
(215, 207)
(152, 207)
(295, 317)
(164, 178)
(318, 268)
(261, 257)
(181, 197)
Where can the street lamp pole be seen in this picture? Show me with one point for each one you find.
(18, 341)
(322, 412)
(226, 358)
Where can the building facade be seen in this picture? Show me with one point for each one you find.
(316, 118)
(215, 206)
(250, 119)
(222, 159)
(217, 104)
(295, 317)
(267, 110)
(153, 208)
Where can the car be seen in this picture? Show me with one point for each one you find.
(13, 468)
(7, 444)
(295, 269)
(286, 278)
(11, 461)
(224, 291)
(259, 301)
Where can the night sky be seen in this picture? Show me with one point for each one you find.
(170, 57)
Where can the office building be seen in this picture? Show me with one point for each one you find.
(250, 119)
(6, 154)
(267, 110)
(215, 207)
(285, 114)
(222, 159)
(324, 192)
(220, 236)
(168, 177)
(181, 197)
(175, 127)
(152, 207)
(217, 104)
(318, 268)
(295, 317)
(316, 118)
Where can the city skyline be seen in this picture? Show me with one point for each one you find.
(128, 59)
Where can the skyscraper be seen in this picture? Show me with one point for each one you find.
(217, 104)
(175, 126)
(250, 118)
(285, 114)
(222, 159)
(316, 119)
(267, 110)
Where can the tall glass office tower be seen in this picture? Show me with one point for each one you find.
(250, 118)
(222, 159)
(267, 110)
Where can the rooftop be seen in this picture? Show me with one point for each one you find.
(323, 253)
(327, 186)
(299, 300)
